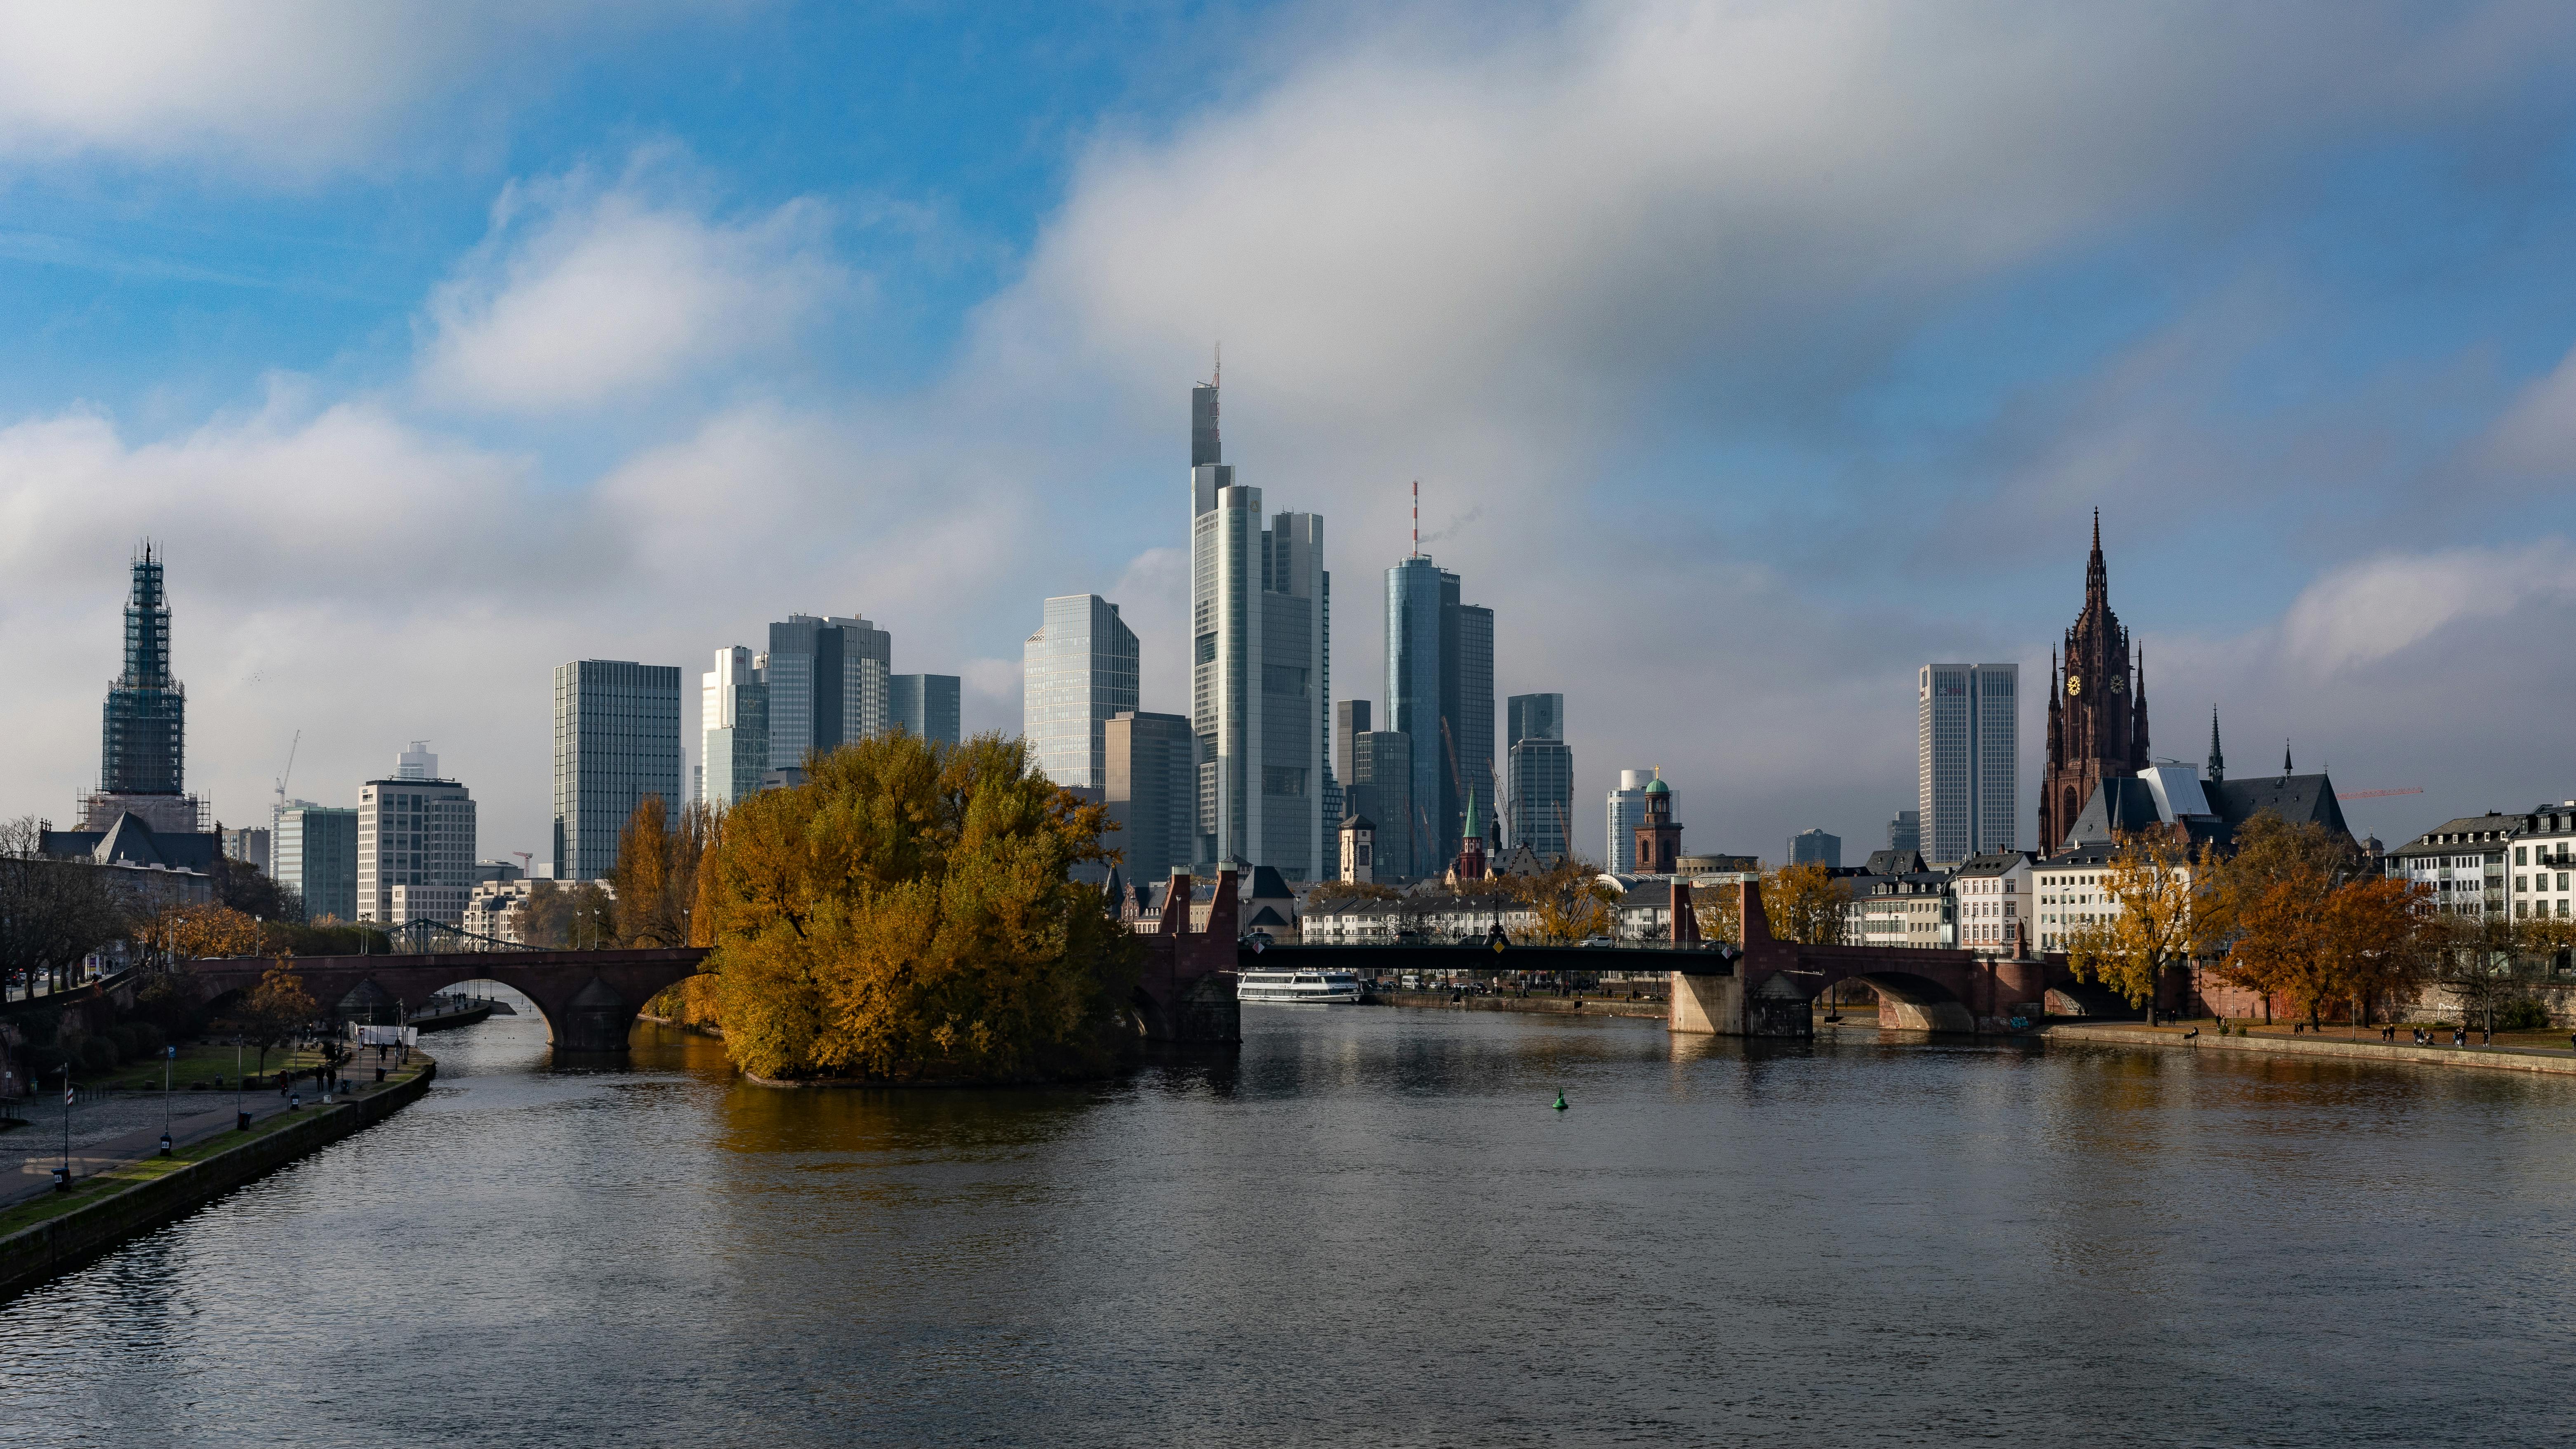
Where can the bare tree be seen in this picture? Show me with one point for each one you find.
(52, 912)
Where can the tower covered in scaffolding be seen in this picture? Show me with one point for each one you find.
(143, 729)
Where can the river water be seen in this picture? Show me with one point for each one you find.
(1370, 1228)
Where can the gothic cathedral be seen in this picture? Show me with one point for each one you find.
(2097, 708)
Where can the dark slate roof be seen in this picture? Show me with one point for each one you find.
(1357, 821)
(1992, 862)
(132, 842)
(1268, 885)
(2489, 831)
(2297, 799)
(1894, 862)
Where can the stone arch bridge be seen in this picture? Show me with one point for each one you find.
(588, 998)
(1769, 989)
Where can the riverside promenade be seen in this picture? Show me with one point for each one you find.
(2512, 1052)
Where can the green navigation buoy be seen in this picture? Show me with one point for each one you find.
(1560, 1101)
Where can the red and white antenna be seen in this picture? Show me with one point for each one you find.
(1417, 518)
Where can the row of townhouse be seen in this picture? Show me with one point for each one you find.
(1428, 917)
(2496, 866)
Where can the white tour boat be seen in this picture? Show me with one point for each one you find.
(1314, 988)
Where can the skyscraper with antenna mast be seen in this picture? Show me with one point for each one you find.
(1260, 679)
(1440, 694)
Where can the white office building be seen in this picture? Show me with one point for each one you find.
(733, 727)
(1260, 617)
(1627, 812)
(1077, 673)
(416, 848)
(1968, 759)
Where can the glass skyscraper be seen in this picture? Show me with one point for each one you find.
(1968, 759)
(829, 684)
(1260, 615)
(1542, 775)
(617, 740)
(313, 851)
(1077, 672)
(1440, 693)
(929, 705)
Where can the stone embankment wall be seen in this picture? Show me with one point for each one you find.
(1594, 1005)
(31, 1256)
(2406, 1053)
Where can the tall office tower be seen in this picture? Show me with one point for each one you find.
(733, 728)
(926, 704)
(1968, 757)
(1440, 691)
(314, 853)
(1627, 812)
(1541, 765)
(1905, 832)
(1150, 787)
(1260, 608)
(867, 663)
(1375, 768)
(143, 727)
(415, 844)
(1077, 672)
(617, 740)
(1815, 847)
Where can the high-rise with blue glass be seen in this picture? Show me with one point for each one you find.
(1440, 693)
(1077, 673)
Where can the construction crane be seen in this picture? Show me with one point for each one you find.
(2380, 794)
(526, 860)
(289, 772)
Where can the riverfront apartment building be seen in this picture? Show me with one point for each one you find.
(313, 851)
(1968, 759)
(416, 847)
(2496, 866)
(1077, 672)
(733, 727)
(617, 740)
(1440, 694)
(1541, 767)
(1149, 786)
(926, 704)
(1260, 650)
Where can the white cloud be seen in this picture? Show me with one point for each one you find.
(584, 296)
(2536, 437)
(2373, 610)
(292, 85)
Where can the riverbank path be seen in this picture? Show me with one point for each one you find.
(111, 1129)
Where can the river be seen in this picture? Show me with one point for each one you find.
(1370, 1228)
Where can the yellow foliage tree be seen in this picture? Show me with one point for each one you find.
(197, 932)
(655, 879)
(1568, 900)
(1805, 904)
(2152, 926)
(1721, 915)
(276, 1008)
(907, 914)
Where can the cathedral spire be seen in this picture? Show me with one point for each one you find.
(2286, 766)
(2097, 577)
(2217, 761)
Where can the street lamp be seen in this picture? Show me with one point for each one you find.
(169, 1054)
(63, 1174)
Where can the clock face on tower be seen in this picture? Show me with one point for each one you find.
(2119, 685)
(2074, 684)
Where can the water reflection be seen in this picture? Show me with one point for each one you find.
(1371, 1227)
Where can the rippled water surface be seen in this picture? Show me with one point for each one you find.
(1369, 1228)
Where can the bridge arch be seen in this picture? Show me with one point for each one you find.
(588, 999)
(1910, 1002)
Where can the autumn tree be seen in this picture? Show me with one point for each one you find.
(277, 1008)
(1568, 900)
(200, 931)
(656, 878)
(568, 916)
(2376, 943)
(1805, 904)
(2263, 909)
(1721, 915)
(908, 914)
(2150, 926)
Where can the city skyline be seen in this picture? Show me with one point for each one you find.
(954, 372)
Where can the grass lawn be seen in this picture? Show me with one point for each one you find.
(197, 1062)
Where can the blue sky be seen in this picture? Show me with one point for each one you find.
(1750, 355)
